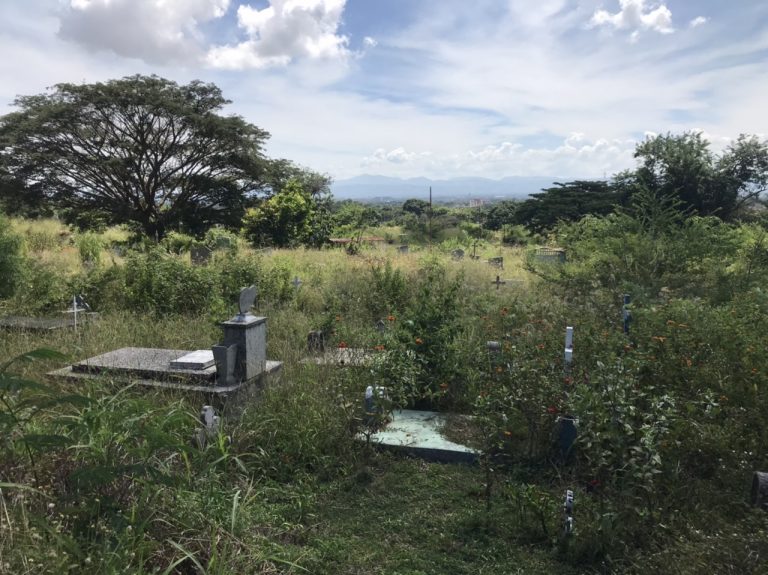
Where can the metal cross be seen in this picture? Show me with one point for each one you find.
(499, 282)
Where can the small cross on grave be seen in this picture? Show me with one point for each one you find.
(296, 282)
(499, 282)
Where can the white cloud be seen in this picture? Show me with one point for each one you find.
(698, 21)
(282, 32)
(576, 156)
(634, 16)
(369, 42)
(158, 31)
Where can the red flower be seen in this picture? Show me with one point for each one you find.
(552, 409)
(390, 318)
(342, 345)
(419, 341)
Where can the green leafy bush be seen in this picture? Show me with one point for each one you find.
(11, 259)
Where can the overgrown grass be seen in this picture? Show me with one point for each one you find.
(672, 417)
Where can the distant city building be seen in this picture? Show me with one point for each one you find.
(476, 203)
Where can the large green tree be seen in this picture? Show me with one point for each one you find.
(684, 167)
(568, 201)
(140, 150)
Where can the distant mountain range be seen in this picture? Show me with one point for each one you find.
(381, 188)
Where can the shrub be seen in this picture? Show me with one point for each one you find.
(89, 246)
(162, 283)
(11, 259)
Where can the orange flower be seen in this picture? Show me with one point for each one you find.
(342, 345)
(419, 341)
(378, 348)
(508, 433)
(390, 318)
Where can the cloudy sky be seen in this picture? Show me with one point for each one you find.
(436, 88)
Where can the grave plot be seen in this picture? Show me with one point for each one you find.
(422, 434)
(76, 316)
(227, 372)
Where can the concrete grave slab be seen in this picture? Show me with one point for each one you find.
(419, 433)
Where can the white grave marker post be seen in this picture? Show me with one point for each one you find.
(568, 347)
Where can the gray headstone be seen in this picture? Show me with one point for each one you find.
(316, 341)
(200, 255)
(497, 262)
(247, 297)
(225, 357)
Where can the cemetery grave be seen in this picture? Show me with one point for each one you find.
(78, 315)
(228, 372)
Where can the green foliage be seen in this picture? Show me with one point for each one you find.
(89, 247)
(221, 239)
(158, 282)
(283, 220)
(650, 247)
(683, 167)
(11, 259)
(567, 202)
(21, 402)
(177, 243)
(499, 214)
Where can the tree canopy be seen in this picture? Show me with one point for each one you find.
(140, 150)
(683, 167)
(568, 201)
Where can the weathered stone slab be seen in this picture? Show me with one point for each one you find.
(419, 433)
(196, 360)
(145, 363)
